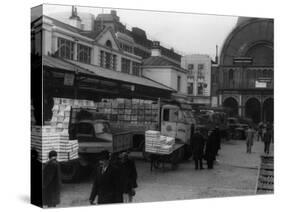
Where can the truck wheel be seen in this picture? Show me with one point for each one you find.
(70, 171)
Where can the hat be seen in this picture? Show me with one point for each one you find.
(53, 153)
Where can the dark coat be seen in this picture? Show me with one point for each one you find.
(197, 145)
(211, 147)
(106, 186)
(267, 137)
(129, 175)
(51, 183)
(217, 138)
(36, 182)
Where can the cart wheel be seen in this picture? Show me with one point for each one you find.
(156, 164)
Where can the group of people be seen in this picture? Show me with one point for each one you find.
(115, 179)
(264, 133)
(203, 148)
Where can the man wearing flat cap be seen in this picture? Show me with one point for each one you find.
(51, 181)
(106, 182)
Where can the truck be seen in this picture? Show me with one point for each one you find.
(118, 125)
(136, 116)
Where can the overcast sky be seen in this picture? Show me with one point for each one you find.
(186, 33)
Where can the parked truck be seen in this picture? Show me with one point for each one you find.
(135, 117)
(118, 125)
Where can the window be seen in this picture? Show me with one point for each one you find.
(107, 60)
(179, 83)
(126, 47)
(136, 69)
(83, 53)
(108, 44)
(190, 88)
(190, 66)
(65, 48)
(200, 66)
(170, 115)
(200, 74)
(126, 65)
(200, 89)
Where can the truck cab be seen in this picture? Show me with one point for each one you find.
(176, 123)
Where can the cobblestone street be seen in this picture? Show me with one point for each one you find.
(234, 174)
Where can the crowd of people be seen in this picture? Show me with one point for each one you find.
(115, 178)
(114, 181)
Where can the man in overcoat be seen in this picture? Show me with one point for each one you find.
(51, 181)
(129, 177)
(106, 183)
(197, 146)
(211, 149)
(267, 139)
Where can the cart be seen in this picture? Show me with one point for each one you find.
(158, 160)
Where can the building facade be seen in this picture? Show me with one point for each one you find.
(166, 71)
(246, 70)
(198, 78)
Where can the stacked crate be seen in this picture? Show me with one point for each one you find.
(130, 111)
(156, 143)
(46, 138)
(56, 136)
(265, 182)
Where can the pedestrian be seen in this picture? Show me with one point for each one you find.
(117, 165)
(106, 183)
(211, 149)
(267, 139)
(249, 139)
(217, 138)
(51, 181)
(36, 179)
(260, 131)
(197, 146)
(129, 175)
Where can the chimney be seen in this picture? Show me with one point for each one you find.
(74, 19)
(155, 50)
(216, 59)
(113, 12)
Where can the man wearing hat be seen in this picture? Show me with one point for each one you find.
(197, 146)
(106, 182)
(51, 181)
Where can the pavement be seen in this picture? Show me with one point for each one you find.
(234, 174)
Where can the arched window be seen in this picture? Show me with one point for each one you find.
(108, 44)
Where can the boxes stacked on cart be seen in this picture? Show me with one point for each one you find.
(46, 138)
(156, 143)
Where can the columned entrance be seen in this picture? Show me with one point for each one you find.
(232, 105)
(268, 110)
(253, 110)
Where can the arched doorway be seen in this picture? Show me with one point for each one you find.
(253, 110)
(232, 105)
(268, 110)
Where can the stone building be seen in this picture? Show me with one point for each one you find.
(245, 81)
(198, 78)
